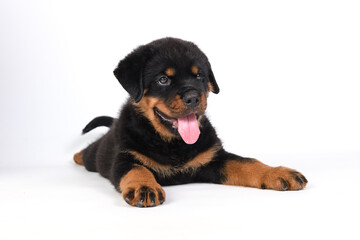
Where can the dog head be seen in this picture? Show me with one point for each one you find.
(169, 81)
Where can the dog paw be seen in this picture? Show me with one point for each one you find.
(144, 196)
(283, 179)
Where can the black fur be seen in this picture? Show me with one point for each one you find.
(142, 74)
(138, 70)
(98, 122)
(132, 131)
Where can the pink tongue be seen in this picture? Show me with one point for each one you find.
(188, 128)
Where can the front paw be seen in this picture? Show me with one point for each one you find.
(283, 179)
(143, 195)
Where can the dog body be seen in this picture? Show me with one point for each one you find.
(163, 137)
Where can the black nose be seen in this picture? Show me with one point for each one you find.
(191, 99)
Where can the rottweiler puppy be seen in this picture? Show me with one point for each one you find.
(163, 137)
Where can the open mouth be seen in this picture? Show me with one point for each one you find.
(187, 126)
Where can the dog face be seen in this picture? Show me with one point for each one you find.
(169, 80)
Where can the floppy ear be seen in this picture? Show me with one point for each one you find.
(215, 87)
(129, 71)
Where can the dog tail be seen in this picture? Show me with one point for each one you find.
(98, 122)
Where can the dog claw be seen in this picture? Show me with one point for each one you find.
(285, 186)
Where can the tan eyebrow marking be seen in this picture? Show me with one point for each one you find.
(194, 69)
(170, 72)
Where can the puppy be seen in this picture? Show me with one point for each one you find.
(162, 136)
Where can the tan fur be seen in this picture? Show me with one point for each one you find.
(203, 102)
(135, 180)
(146, 107)
(176, 108)
(170, 72)
(78, 158)
(150, 163)
(256, 174)
(177, 105)
(138, 175)
(194, 70)
(210, 86)
(203, 158)
(167, 171)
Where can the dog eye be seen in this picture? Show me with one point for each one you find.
(164, 81)
(199, 76)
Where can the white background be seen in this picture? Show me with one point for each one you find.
(288, 72)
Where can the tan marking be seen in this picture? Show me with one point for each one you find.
(78, 158)
(190, 167)
(256, 173)
(203, 103)
(170, 72)
(176, 108)
(210, 86)
(146, 107)
(247, 174)
(194, 70)
(199, 120)
(139, 174)
(203, 158)
(157, 167)
(177, 105)
(135, 180)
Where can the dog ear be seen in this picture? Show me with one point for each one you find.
(129, 71)
(215, 87)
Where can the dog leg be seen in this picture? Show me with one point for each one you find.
(139, 188)
(253, 173)
(78, 158)
(136, 183)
